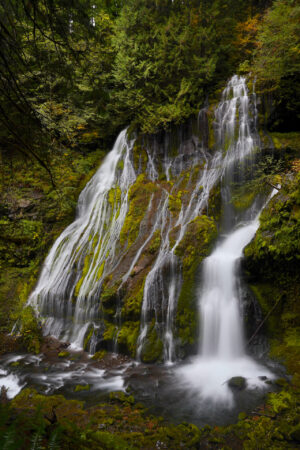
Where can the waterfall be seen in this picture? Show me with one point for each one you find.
(67, 293)
(221, 354)
(236, 139)
(90, 251)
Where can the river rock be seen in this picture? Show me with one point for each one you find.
(238, 383)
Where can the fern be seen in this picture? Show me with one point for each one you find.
(53, 441)
(9, 440)
(36, 442)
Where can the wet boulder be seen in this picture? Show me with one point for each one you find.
(237, 383)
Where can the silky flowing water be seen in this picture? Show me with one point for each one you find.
(67, 294)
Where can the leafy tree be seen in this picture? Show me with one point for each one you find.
(49, 93)
(169, 55)
(278, 43)
(276, 63)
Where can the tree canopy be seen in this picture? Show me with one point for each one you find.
(75, 72)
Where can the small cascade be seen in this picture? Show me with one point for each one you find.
(221, 346)
(164, 281)
(67, 293)
(159, 290)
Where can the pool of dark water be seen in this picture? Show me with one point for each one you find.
(159, 387)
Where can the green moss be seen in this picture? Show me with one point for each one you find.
(153, 345)
(121, 397)
(140, 157)
(30, 330)
(139, 197)
(133, 300)
(174, 204)
(100, 270)
(108, 302)
(88, 337)
(186, 315)
(197, 240)
(82, 387)
(128, 335)
(282, 141)
(114, 196)
(85, 269)
(244, 200)
(155, 242)
(98, 356)
(63, 354)
(279, 234)
(109, 332)
(120, 165)
(268, 295)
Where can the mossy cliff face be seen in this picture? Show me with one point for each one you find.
(271, 267)
(33, 214)
(272, 261)
(168, 167)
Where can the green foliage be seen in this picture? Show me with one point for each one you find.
(127, 425)
(278, 52)
(166, 58)
(279, 233)
(276, 63)
(280, 401)
(63, 354)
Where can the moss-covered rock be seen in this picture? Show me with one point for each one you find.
(33, 214)
(238, 383)
(139, 197)
(98, 356)
(128, 336)
(155, 242)
(82, 387)
(153, 345)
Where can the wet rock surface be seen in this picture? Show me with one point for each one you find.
(238, 383)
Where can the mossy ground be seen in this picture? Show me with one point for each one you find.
(119, 423)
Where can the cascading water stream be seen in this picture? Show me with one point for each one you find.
(221, 347)
(235, 144)
(86, 251)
